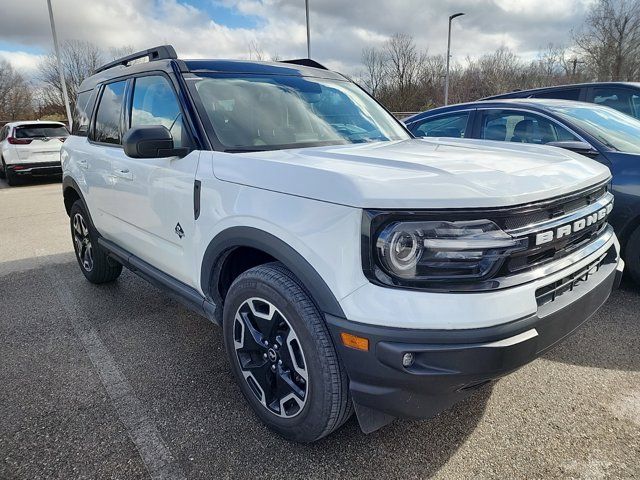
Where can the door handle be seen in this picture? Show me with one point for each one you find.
(123, 173)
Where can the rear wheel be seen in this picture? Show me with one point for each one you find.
(95, 264)
(282, 355)
(632, 255)
(10, 176)
(2, 167)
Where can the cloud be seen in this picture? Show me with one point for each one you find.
(25, 63)
(340, 29)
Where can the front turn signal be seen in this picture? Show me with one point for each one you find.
(353, 341)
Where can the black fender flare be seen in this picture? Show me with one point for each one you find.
(234, 237)
(69, 182)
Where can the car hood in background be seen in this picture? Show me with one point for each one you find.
(415, 174)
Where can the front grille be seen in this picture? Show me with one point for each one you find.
(554, 210)
(549, 293)
(557, 244)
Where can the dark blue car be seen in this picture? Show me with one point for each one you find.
(597, 132)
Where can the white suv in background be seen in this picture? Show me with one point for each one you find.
(31, 148)
(350, 265)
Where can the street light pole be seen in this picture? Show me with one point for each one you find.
(65, 95)
(446, 78)
(308, 30)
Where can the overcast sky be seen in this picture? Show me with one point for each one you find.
(339, 28)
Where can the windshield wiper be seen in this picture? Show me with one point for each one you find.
(245, 150)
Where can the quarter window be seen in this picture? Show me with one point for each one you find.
(155, 103)
(522, 127)
(453, 125)
(107, 127)
(82, 113)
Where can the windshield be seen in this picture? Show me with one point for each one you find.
(270, 112)
(614, 129)
(40, 131)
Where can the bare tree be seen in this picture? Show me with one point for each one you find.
(16, 100)
(255, 51)
(403, 67)
(79, 60)
(374, 69)
(610, 40)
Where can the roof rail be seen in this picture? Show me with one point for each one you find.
(163, 52)
(305, 62)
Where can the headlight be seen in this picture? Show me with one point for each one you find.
(426, 252)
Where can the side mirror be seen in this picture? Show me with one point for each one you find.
(583, 148)
(151, 141)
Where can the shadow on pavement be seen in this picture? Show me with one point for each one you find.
(28, 181)
(611, 338)
(177, 367)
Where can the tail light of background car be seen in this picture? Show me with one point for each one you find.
(19, 141)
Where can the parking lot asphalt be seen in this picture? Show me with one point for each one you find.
(119, 381)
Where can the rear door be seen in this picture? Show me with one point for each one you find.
(39, 142)
(152, 200)
(103, 146)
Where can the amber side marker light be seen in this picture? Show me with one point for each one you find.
(353, 341)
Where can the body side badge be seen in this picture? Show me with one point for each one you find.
(179, 231)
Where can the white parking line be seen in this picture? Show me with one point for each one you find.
(154, 452)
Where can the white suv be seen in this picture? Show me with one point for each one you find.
(350, 265)
(30, 148)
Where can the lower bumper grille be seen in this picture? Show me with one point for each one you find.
(551, 292)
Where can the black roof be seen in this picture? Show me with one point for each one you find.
(163, 58)
(531, 91)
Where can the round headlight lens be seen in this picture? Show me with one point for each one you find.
(402, 251)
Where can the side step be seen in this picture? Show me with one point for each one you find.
(188, 296)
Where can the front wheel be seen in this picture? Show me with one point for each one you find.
(282, 355)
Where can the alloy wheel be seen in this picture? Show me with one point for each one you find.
(82, 242)
(271, 357)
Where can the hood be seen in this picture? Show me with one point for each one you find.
(416, 173)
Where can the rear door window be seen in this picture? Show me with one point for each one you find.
(622, 99)
(450, 125)
(107, 127)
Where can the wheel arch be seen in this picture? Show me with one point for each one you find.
(71, 192)
(627, 231)
(231, 239)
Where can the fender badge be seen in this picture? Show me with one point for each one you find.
(179, 231)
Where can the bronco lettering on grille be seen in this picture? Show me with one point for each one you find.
(575, 226)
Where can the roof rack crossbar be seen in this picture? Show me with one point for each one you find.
(162, 52)
(305, 62)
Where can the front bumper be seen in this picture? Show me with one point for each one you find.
(449, 364)
(36, 169)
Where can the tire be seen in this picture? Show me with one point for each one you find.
(296, 385)
(632, 255)
(10, 177)
(2, 167)
(96, 266)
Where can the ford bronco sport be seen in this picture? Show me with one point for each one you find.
(351, 266)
